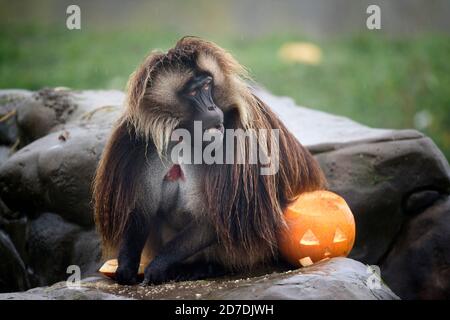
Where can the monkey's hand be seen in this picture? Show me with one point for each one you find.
(130, 251)
(156, 273)
(188, 242)
(126, 275)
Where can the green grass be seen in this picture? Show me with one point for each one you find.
(376, 81)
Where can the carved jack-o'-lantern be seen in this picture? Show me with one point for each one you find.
(320, 225)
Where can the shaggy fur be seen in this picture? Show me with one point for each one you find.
(245, 207)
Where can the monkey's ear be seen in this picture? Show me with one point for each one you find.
(139, 82)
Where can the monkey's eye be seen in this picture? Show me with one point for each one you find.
(192, 93)
(206, 84)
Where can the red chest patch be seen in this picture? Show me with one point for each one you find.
(174, 173)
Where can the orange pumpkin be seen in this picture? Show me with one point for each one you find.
(109, 269)
(320, 225)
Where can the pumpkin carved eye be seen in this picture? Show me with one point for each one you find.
(309, 239)
(339, 236)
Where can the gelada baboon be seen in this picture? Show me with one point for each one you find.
(225, 215)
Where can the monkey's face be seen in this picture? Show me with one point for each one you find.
(200, 109)
(194, 83)
(185, 95)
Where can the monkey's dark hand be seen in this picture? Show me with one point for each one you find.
(156, 273)
(188, 242)
(131, 248)
(126, 275)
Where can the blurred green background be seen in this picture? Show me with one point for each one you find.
(396, 77)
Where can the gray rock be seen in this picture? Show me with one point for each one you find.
(376, 179)
(36, 114)
(5, 152)
(318, 130)
(10, 100)
(60, 291)
(386, 176)
(5, 212)
(9, 131)
(54, 244)
(35, 120)
(55, 174)
(336, 279)
(80, 107)
(418, 265)
(49, 244)
(87, 252)
(13, 274)
(16, 228)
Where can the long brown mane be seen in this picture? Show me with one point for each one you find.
(247, 207)
(115, 183)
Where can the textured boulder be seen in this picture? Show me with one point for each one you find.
(336, 279)
(32, 115)
(4, 154)
(54, 244)
(395, 181)
(421, 255)
(390, 178)
(377, 178)
(10, 101)
(13, 274)
(55, 173)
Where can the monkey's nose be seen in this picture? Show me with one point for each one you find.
(218, 129)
